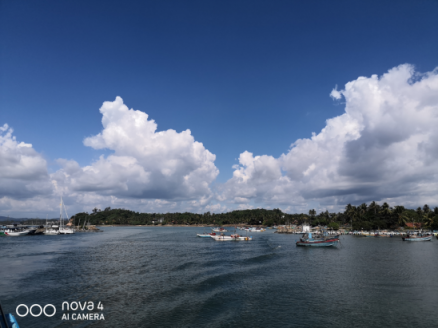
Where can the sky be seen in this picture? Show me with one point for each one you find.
(173, 106)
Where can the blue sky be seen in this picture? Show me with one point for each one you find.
(241, 75)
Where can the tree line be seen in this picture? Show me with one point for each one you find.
(365, 216)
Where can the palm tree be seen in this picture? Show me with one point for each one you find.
(386, 211)
(428, 220)
(363, 208)
(426, 209)
(373, 207)
(401, 217)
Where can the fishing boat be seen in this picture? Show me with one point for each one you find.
(314, 240)
(417, 237)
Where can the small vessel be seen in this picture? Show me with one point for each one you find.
(52, 231)
(256, 229)
(206, 235)
(219, 230)
(222, 237)
(417, 237)
(237, 237)
(314, 240)
(15, 232)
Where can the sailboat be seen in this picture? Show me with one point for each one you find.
(62, 228)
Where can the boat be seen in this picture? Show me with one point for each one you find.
(15, 232)
(63, 230)
(313, 240)
(236, 237)
(206, 235)
(51, 231)
(256, 229)
(417, 237)
(221, 237)
(219, 230)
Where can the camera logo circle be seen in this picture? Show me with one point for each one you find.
(35, 312)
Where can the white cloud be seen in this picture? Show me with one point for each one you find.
(384, 147)
(335, 94)
(148, 170)
(23, 171)
(146, 164)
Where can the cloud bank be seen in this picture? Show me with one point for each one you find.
(384, 147)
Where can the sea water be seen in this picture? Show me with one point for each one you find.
(169, 277)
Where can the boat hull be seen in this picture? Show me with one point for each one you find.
(203, 235)
(427, 238)
(16, 234)
(229, 238)
(325, 243)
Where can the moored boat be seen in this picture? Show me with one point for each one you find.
(310, 239)
(205, 235)
(418, 237)
(15, 232)
(236, 237)
(219, 230)
(64, 230)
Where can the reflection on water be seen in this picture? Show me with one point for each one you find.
(167, 277)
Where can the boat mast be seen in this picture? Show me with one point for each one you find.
(60, 213)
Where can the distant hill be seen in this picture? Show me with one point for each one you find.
(5, 218)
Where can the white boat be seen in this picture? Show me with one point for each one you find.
(51, 232)
(219, 230)
(15, 232)
(63, 230)
(222, 238)
(256, 230)
(229, 238)
(204, 235)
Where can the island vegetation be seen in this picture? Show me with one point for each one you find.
(365, 216)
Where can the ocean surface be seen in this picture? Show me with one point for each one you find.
(168, 277)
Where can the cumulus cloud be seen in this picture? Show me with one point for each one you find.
(335, 94)
(146, 164)
(149, 170)
(23, 171)
(384, 147)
